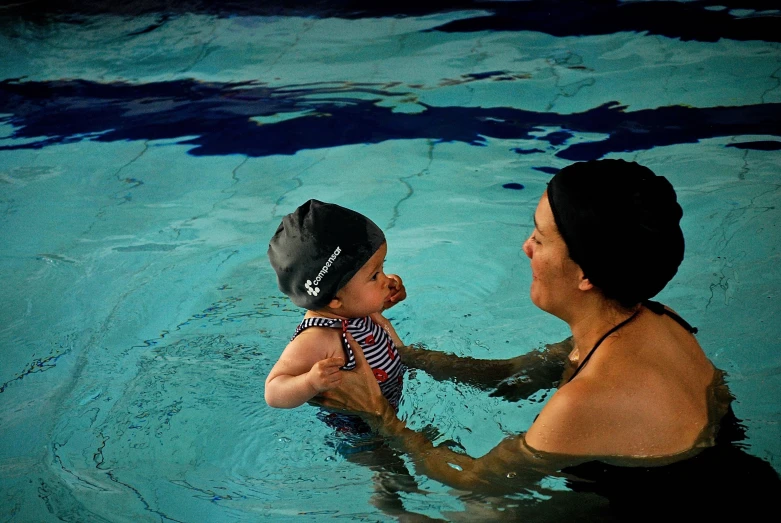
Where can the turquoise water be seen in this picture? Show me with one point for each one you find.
(146, 159)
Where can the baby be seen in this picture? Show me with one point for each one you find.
(329, 260)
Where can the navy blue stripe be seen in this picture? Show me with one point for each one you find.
(378, 353)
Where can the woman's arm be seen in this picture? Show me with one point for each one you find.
(507, 468)
(513, 379)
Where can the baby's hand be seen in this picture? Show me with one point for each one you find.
(397, 291)
(325, 374)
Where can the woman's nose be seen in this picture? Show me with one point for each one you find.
(527, 247)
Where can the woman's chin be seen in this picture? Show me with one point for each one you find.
(539, 302)
(534, 295)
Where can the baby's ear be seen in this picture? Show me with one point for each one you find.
(335, 303)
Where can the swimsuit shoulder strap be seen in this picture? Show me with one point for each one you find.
(334, 324)
(315, 322)
(653, 306)
(597, 344)
(660, 309)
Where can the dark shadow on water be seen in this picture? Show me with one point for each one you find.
(703, 21)
(257, 120)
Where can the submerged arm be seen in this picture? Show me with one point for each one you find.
(509, 467)
(513, 379)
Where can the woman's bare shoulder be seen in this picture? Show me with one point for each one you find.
(567, 421)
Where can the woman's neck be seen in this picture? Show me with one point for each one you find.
(590, 325)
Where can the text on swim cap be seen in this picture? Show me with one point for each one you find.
(314, 291)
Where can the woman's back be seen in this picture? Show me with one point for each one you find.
(721, 483)
(644, 392)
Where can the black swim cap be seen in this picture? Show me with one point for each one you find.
(318, 248)
(621, 225)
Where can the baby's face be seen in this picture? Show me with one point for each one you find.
(368, 290)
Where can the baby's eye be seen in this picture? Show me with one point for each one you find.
(374, 276)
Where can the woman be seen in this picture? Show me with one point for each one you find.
(635, 390)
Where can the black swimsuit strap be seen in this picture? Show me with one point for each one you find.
(658, 308)
(653, 306)
(332, 323)
(597, 344)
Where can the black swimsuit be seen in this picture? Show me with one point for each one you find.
(731, 484)
(653, 306)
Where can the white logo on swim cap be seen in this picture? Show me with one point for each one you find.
(310, 290)
(314, 291)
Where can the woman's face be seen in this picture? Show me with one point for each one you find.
(555, 276)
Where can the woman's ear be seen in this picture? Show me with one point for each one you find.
(585, 284)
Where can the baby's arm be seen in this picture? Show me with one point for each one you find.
(308, 366)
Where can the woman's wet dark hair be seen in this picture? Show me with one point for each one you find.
(621, 224)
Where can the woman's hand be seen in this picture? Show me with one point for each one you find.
(358, 392)
(505, 469)
(397, 291)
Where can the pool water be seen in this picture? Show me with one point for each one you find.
(148, 153)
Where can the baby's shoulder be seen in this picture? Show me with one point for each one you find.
(324, 341)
